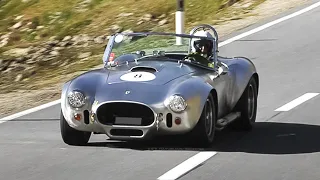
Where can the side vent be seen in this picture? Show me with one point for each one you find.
(143, 69)
(169, 120)
(86, 116)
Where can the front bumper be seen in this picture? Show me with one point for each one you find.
(163, 123)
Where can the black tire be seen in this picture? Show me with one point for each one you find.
(72, 136)
(204, 132)
(247, 105)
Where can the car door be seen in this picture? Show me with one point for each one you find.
(221, 80)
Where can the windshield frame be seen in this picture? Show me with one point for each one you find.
(111, 42)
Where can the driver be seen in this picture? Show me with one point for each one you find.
(202, 49)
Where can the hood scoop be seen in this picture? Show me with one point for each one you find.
(152, 73)
(143, 69)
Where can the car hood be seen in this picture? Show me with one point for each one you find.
(150, 72)
(146, 82)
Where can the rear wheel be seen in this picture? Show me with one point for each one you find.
(72, 136)
(247, 105)
(204, 131)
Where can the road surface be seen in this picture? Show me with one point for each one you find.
(284, 144)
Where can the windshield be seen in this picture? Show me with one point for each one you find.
(148, 45)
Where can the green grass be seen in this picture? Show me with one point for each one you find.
(14, 7)
(101, 14)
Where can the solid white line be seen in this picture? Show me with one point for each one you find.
(29, 111)
(187, 166)
(260, 28)
(296, 102)
(220, 44)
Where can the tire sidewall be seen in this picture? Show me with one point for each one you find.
(245, 121)
(252, 120)
(205, 138)
(72, 136)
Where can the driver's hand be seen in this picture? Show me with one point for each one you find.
(191, 59)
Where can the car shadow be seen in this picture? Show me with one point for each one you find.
(265, 138)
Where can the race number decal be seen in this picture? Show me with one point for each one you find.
(138, 76)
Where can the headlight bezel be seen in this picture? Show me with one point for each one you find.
(76, 99)
(172, 103)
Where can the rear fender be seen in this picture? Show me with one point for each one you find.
(243, 70)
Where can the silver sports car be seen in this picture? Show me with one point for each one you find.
(155, 84)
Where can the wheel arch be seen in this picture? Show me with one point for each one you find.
(256, 78)
(214, 94)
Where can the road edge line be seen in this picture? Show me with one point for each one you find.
(272, 23)
(29, 111)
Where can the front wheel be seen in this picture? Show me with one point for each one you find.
(204, 131)
(72, 136)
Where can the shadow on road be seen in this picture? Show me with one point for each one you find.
(265, 138)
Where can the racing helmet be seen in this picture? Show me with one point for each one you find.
(202, 46)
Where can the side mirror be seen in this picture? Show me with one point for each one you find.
(222, 70)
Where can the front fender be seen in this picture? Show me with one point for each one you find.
(86, 83)
(195, 91)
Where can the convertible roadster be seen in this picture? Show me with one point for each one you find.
(151, 86)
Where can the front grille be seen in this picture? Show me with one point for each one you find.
(125, 113)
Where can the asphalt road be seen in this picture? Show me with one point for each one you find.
(284, 145)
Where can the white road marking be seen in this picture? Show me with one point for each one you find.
(187, 166)
(29, 111)
(296, 102)
(260, 28)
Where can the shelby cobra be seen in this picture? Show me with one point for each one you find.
(148, 87)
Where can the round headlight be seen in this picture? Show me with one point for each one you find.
(177, 103)
(76, 99)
